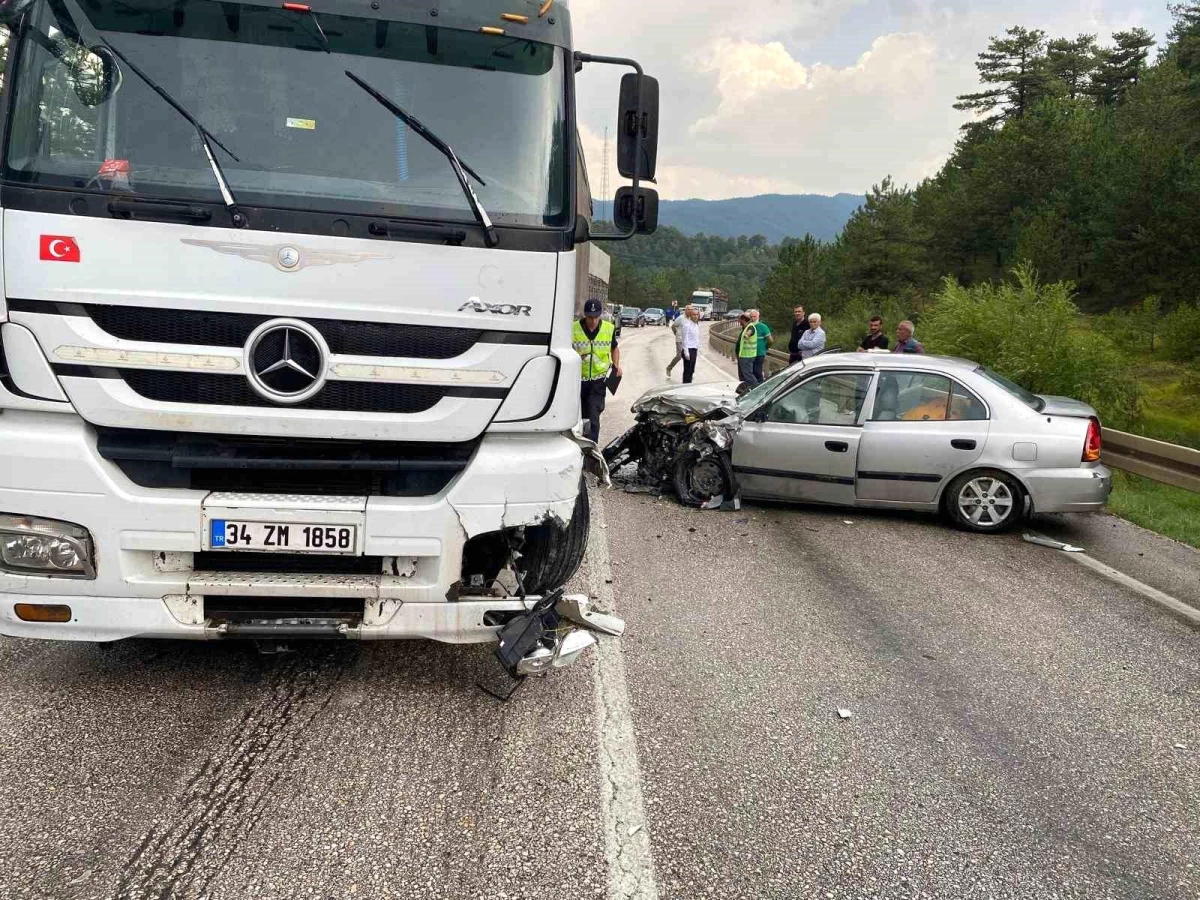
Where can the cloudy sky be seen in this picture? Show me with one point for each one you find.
(808, 96)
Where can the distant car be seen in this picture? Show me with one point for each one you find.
(631, 315)
(654, 316)
(892, 432)
(734, 314)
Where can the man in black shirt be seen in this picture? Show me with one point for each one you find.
(876, 340)
(799, 326)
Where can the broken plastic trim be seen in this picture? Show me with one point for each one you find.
(593, 459)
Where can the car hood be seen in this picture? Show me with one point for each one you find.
(1065, 406)
(695, 399)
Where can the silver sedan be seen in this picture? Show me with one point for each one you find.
(897, 431)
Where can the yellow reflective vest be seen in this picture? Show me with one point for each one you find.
(596, 354)
(749, 345)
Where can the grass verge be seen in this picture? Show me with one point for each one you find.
(1168, 510)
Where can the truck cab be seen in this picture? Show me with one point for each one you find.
(286, 313)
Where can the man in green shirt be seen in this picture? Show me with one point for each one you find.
(765, 340)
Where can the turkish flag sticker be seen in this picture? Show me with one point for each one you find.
(59, 248)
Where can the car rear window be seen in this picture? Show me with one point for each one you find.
(1033, 401)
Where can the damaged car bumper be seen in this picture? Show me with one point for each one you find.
(155, 574)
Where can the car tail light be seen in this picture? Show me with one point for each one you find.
(1091, 445)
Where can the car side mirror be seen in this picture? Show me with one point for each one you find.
(630, 128)
(638, 212)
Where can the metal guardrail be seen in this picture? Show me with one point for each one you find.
(1157, 460)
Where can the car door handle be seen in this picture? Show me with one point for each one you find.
(962, 444)
(837, 446)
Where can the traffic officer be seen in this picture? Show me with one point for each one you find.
(594, 341)
(747, 350)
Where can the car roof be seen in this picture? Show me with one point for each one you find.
(946, 364)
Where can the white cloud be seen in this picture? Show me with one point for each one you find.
(749, 107)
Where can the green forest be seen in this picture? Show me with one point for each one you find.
(1060, 242)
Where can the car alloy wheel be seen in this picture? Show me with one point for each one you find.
(986, 502)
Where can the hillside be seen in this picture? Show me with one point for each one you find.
(775, 216)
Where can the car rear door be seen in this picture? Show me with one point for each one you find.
(924, 426)
(803, 445)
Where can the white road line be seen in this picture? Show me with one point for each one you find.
(630, 862)
(1153, 594)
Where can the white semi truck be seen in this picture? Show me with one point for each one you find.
(286, 314)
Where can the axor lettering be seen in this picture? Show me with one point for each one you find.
(495, 309)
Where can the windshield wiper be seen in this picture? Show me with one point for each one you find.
(312, 14)
(66, 23)
(461, 170)
(239, 220)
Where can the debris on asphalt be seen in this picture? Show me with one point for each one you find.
(635, 829)
(632, 488)
(1053, 545)
(847, 522)
(1181, 746)
(844, 713)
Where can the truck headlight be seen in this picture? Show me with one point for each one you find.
(33, 546)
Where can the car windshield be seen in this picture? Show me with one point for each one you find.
(654, 310)
(758, 394)
(1033, 401)
(260, 81)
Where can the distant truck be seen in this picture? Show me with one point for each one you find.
(712, 302)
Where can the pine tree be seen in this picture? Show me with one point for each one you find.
(1118, 68)
(1014, 65)
(1185, 36)
(1071, 63)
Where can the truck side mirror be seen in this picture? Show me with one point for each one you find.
(640, 210)
(629, 128)
(95, 75)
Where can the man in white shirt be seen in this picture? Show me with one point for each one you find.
(676, 327)
(812, 341)
(690, 345)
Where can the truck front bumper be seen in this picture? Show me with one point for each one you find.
(146, 584)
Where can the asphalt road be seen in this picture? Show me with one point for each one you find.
(1020, 727)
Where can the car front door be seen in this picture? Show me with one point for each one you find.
(803, 445)
(923, 427)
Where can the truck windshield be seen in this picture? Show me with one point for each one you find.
(261, 81)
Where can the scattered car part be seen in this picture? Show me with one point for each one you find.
(1053, 545)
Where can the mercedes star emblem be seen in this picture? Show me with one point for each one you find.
(289, 257)
(285, 360)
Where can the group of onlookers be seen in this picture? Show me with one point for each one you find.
(755, 339)
(808, 337)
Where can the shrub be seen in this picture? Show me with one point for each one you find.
(1181, 333)
(1026, 330)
